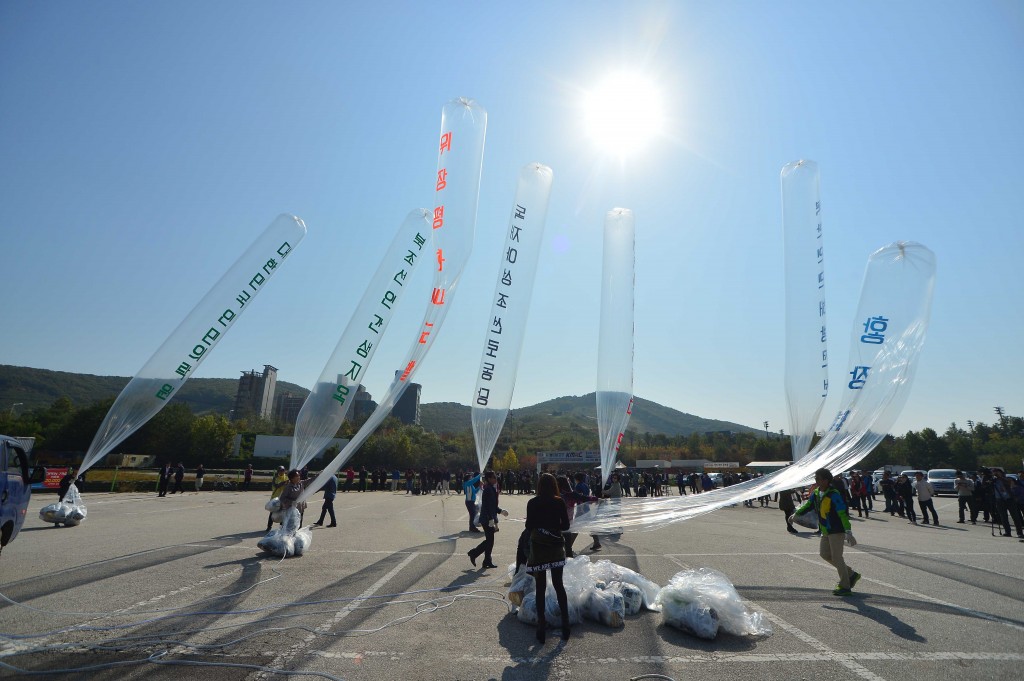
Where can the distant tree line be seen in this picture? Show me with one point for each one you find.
(176, 434)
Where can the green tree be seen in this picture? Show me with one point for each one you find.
(212, 438)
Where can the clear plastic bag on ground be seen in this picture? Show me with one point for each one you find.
(522, 584)
(694, 598)
(693, 618)
(608, 572)
(528, 610)
(552, 612)
(69, 512)
(632, 596)
(605, 606)
(289, 539)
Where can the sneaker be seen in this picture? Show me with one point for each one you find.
(960, 522)
(854, 578)
(840, 591)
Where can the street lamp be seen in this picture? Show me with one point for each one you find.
(15, 406)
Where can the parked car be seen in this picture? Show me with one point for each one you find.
(15, 488)
(943, 480)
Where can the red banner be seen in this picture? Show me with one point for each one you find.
(53, 477)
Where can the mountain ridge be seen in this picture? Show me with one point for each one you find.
(27, 388)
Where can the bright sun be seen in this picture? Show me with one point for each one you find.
(624, 112)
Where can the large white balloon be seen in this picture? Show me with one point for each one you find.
(888, 335)
(457, 191)
(615, 339)
(506, 323)
(177, 359)
(806, 374)
(326, 406)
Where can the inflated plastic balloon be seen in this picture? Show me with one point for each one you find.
(806, 333)
(888, 335)
(459, 165)
(506, 323)
(615, 340)
(324, 409)
(196, 336)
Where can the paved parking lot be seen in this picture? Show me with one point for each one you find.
(146, 584)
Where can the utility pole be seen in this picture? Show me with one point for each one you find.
(766, 429)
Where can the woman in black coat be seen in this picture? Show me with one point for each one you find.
(546, 520)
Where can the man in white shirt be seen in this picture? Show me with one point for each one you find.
(924, 499)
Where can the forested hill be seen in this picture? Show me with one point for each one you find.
(572, 412)
(38, 388)
(31, 389)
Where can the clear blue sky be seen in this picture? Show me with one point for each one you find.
(144, 145)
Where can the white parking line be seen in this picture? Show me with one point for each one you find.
(726, 658)
(298, 648)
(920, 596)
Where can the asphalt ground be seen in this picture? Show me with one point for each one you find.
(146, 584)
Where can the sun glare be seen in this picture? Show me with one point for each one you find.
(624, 113)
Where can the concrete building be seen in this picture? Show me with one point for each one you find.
(255, 396)
(287, 407)
(363, 405)
(407, 409)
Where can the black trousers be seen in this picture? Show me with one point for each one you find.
(485, 546)
(327, 508)
(471, 507)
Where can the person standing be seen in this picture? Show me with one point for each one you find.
(834, 523)
(165, 480)
(291, 492)
(964, 487)
(859, 494)
(330, 492)
(65, 485)
(925, 491)
(905, 493)
(276, 488)
(247, 480)
(546, 521)
(179, 476)
(200, 472)
(470, 486)
(1005, 506)
(888, 493)
(489, 511)
(788, 508)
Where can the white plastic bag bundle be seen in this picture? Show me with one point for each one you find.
(608, 572)
(69, 512)
(522, 584)
(552, 612)
(632, 596)
(289, 539)
(693, 596)
(605, 606)
(274, 506)
(693, 618)
(807, 519)
(528, 610)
